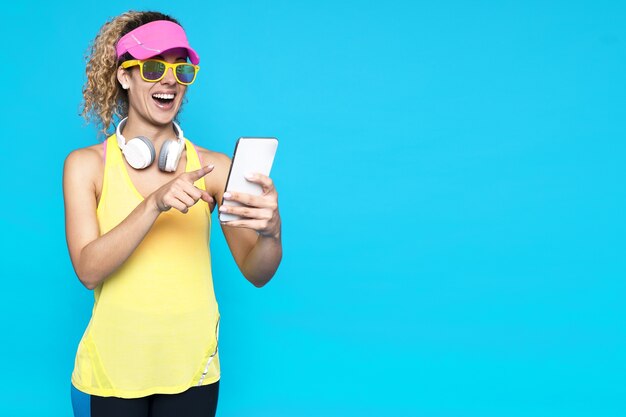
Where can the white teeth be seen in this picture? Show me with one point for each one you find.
(163, 96)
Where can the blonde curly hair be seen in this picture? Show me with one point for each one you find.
(103, 96)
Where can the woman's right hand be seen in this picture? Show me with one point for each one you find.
(180, 193)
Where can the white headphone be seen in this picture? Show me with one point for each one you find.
(140, 153)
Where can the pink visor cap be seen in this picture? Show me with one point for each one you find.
(153, 39)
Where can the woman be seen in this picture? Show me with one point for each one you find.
(138, 213)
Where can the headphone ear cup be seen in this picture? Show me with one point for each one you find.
(139, 152)
(169, 155)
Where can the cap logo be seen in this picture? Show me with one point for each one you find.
(142, 45)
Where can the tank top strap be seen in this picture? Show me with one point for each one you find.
(115, 181)
(114, 160)
(113, 154)
(193, 161)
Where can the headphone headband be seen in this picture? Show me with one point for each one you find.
(140, 153)
(121, 140)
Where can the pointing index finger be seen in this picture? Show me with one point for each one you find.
(199, 173)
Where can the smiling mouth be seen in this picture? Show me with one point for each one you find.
(164, 100)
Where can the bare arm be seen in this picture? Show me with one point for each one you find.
(263, 254)
(95, 257)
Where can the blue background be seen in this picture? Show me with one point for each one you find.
(451, 182)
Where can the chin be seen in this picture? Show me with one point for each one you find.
(163, 114)
(161, 118)
(163, 121)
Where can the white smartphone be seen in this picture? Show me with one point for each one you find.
(251, 155)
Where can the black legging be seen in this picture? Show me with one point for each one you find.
(195, 402)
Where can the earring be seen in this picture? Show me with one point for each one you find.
(124, 86)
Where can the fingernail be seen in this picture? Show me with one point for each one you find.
(250, 176)
(210, 166)
(223, 208)
(226, 195)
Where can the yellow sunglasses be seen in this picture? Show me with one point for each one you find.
(153, 70)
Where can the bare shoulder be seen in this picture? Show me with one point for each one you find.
(85, 160)
(85, 165)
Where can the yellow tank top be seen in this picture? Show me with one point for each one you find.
(155, 321)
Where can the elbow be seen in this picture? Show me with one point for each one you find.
(260, 275)
(87, 275)
(259, 281)
(259, 284)
(87, 283)
(86, 279)
(90, 286)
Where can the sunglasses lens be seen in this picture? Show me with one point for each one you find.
(153, 70)
(185, 73)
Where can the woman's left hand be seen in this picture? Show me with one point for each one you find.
(260, 213)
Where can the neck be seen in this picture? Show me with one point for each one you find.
(137, 126)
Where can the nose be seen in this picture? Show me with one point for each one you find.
(169, 78)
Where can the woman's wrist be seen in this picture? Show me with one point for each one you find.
(151, 205)
(271, 235)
